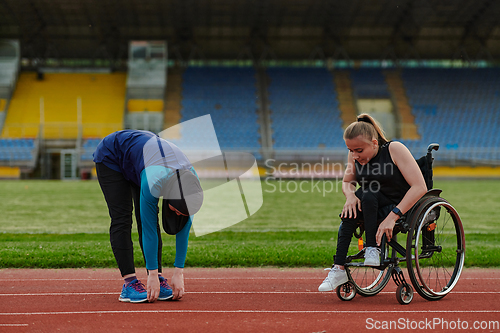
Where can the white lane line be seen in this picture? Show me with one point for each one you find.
(216, 278)
(243, 311)
(59, 294)
(186, 278)
(220, 292)
(12, 325)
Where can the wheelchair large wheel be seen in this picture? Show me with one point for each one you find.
(368, 281)
(436, 246)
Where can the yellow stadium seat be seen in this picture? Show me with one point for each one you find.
(100, 97)
(141, 105)
(10, 172)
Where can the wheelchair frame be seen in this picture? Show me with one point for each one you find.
(431, 226)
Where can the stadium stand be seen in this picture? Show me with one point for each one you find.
(173, 97)
(408, 128)
(17, 154)
(308, 108)
(7, 172)
(229, 96)
(2, 113)
(102, 97)
(304, 108)
(146, 84)
(88, 148)
(3, 104)
(456, 107)
(145, 114)
(369, 83)
(17, 149)
(9, 67)
(266, 137)
(99, 97)
(347, 104)
(140, 105)
(9, 72)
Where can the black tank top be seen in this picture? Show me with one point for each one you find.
(381, 174)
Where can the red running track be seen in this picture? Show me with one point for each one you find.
(236, 300)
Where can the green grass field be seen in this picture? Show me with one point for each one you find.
(54, 224)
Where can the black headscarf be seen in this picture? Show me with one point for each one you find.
(185, 195)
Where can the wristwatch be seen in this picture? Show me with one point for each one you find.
(397, 212)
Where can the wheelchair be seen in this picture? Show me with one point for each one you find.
(434, 253)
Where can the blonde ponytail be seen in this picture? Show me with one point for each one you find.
(366, 126)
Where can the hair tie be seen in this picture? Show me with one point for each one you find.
(364, 120)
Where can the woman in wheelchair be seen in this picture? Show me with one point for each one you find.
(390, 183)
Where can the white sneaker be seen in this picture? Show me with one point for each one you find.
(372, 256)
(335, 278)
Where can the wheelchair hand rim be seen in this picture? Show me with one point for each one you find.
(458, 272)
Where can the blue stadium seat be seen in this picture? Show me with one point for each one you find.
(369, 83)
(456, 107)
(17, 149)
(228, 94)
(89, 146)
(304, 108)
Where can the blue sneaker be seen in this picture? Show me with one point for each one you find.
(165, 290)
(134, 293)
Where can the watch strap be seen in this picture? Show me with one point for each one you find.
(397, 211)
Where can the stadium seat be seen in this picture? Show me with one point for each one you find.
(16, 150)
(369, 83)
(304, 108)
(102, 99)
(228, 94)
(456, 107)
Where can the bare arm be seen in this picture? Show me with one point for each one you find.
(413, 176)
(349, 188)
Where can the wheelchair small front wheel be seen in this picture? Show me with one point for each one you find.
(346, 291)
(404, 294)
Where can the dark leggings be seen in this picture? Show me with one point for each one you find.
(371, 202)
(119, 194)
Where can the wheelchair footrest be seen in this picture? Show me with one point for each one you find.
(398, 276)
(359, 255)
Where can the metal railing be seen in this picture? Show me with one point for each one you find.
(59, 130)
(470, 156)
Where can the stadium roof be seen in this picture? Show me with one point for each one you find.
(257, 29)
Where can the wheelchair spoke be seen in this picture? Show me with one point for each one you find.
(368, 281)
